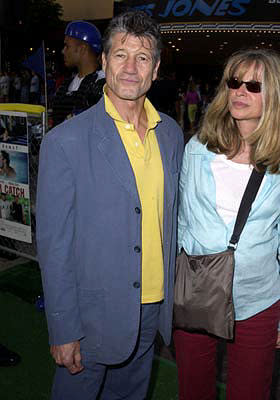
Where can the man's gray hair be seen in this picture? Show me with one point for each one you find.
(136, 23)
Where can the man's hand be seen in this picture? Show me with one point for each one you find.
(69, 356)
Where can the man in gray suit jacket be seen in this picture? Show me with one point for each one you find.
(106, 225)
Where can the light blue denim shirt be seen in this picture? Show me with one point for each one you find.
(201, 230)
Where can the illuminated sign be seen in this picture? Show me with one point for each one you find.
(195, 10)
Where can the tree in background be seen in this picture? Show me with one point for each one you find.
(42, 16)
(24, 24)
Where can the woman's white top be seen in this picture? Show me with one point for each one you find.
(231, 179)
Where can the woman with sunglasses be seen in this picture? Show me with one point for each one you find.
(240, 130)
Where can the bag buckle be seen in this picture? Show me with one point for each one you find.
(232, 246)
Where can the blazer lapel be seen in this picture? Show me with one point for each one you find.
(112, 148)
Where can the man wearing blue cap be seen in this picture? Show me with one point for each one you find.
(82, 45)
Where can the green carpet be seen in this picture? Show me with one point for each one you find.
(24, 281)
(25, 332)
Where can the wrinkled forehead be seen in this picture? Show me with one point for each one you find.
(121, 38)
(256, 68)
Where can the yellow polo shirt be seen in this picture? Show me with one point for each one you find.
(145, 159)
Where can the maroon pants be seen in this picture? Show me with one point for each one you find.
(250, 359)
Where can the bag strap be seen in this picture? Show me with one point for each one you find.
(245, 206)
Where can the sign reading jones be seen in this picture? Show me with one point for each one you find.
(203, 10)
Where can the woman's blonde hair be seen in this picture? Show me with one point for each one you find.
(218, 129)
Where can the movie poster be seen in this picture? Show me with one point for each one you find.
(14, 177)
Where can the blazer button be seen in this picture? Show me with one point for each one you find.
(137, 249)
(136, 285)
(137, 210)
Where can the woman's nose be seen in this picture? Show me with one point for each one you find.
(242, 89)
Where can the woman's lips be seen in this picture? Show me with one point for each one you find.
(239, 104)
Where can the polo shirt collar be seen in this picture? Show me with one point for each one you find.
(152, 114)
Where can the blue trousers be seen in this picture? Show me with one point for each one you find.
(127, 381)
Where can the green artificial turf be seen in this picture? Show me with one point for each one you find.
(24, 330)
(23, 280)
(164, 384)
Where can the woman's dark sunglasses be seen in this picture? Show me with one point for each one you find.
(251, 86)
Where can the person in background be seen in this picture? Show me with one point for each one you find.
(82, 46)
(50, 88)
(106, 225)
(240, 130)
(34, 89)
(4, 86)
(180, 107)
(207, 94)
(16, 87)
(25, 85)
(192, 100)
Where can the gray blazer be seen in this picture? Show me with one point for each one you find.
(89, 233)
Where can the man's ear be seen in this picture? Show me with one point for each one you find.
(103, 61)
(155, 71)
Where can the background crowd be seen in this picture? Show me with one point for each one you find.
(184, 100)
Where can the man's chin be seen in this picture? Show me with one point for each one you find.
(130, 96)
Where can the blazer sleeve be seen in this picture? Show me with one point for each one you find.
(182, 211)
(55, 230)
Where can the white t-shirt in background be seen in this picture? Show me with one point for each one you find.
(75, 83)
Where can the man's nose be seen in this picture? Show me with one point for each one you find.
(130, 65)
